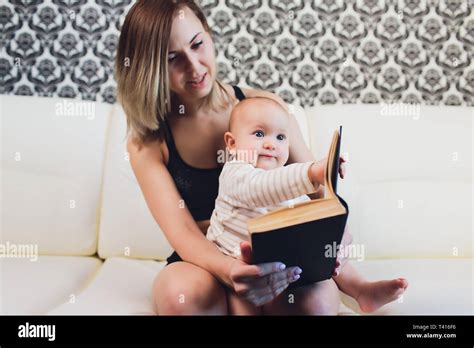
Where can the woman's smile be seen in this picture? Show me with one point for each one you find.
(199, 83)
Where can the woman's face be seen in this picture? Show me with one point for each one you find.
(191, 59)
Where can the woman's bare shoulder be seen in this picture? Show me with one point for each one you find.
(154, 149)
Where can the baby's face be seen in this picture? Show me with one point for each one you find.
(261, 135)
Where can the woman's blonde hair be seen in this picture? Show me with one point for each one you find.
(141, 66)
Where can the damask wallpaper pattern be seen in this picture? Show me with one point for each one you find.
(307, 51)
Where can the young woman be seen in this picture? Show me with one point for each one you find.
(177, 114)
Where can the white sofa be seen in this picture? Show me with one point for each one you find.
(67, 187)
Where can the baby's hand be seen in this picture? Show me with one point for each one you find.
(342, 167)
(318, 169)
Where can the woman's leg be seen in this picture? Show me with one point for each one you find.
(239, 306)
(182, 288)
(320, 298)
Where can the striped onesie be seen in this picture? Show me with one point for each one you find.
(246, 192)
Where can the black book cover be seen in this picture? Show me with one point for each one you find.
(311, 245)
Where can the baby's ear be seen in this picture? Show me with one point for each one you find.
(229, 140)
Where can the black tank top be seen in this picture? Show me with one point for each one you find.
(197, 186)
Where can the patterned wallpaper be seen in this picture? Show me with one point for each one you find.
(307, 51)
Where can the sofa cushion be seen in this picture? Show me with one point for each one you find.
(127, 226)
(52, 161)
(435, 286)
(123, 286)
(403, 219)
(35, 287)
(409, 178)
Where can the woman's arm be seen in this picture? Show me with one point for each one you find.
(176, 222)
(258, 284)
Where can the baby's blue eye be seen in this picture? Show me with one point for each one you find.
(259, 134)
(281, 136)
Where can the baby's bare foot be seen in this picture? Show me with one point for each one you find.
(374, 295)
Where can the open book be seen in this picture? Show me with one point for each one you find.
(307, 235)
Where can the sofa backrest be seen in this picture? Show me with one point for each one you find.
(67, 184)
(409, 176)
(52, 162)
(127, 227)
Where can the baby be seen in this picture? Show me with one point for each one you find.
(255, 181)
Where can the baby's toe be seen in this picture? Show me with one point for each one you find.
(403, 283)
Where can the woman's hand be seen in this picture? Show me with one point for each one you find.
(260, 284)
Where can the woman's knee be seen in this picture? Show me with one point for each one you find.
(316, 299)
(239, 306)
(183, 288)
(320, 299)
